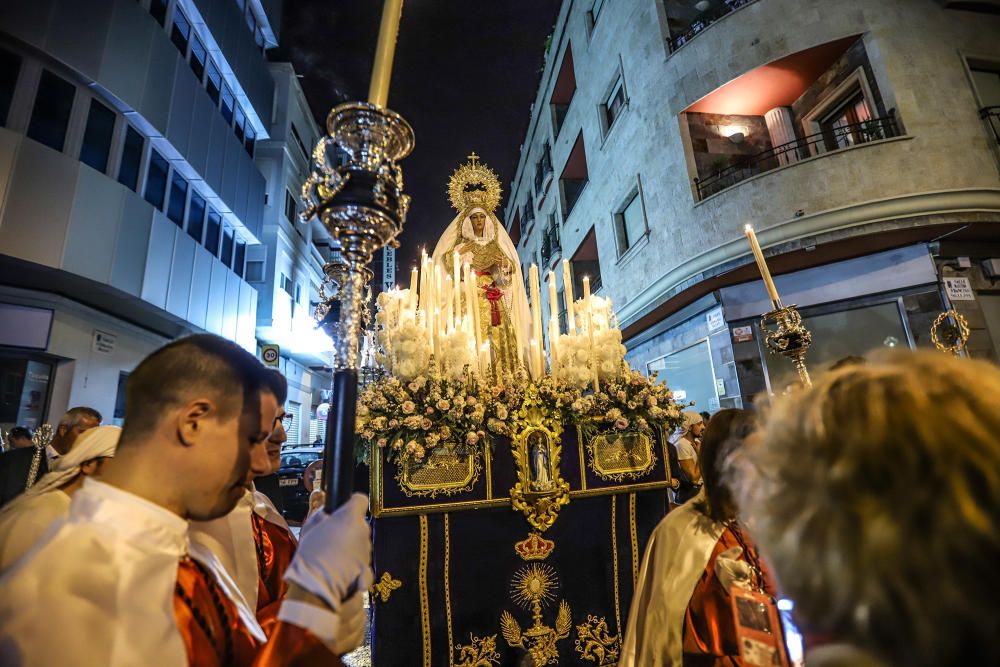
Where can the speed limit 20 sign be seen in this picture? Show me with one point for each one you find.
(269, 354)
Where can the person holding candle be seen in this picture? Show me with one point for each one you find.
(475, 237)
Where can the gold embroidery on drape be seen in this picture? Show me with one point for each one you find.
(635, 540)
(447, 587)
(614, 558)
(425, 614)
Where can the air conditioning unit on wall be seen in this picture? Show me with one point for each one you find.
(991, 268)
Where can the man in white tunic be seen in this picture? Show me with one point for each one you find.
(24, 521)
(120, 580)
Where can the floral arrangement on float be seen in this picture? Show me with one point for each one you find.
(442, 389)
(629, 402)
(406, 419)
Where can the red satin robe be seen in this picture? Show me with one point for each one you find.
(709, 628)
(275, 549)
(228, 643)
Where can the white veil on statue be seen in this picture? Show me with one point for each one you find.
(460, 231)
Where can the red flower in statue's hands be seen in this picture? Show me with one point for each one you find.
(493, 295)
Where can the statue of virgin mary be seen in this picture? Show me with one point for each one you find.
(482, 242)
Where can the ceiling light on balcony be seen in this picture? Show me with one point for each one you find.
(735, 133)
(702, 5)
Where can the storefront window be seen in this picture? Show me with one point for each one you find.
(24, 392)
(856, 331)
(690, 375)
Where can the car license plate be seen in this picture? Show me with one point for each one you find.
(288, 481)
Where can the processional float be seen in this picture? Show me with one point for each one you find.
(520, 547)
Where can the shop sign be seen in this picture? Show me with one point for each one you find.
(742, 334)
(720, 386)
(715, 320)
(959, 289)
(104, 343)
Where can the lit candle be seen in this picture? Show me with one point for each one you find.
(536, 317)
(423, 281)
(436, 328)
(484, 359)
(765, 273)
(553, 344)
(456, 277)
(412, 296)
(553, 297)
(568, 290)
(449, 316)
(473, 295)
(378, 91)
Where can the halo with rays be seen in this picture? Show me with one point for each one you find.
(536, 582)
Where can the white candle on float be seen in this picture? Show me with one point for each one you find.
(588, 314)
(449, 316)
(484, 359)
(568, 291)
(437, 334)
(536, 317)
(456, 277)
(535, 374)
(422, 303)
(414, 277)
(553, 344)
(553, 297)
(473, 295)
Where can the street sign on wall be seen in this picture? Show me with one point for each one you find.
(270, 354)
(388, 268)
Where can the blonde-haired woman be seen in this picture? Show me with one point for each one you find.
(875, 497)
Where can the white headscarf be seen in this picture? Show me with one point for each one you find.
(95, 443)
(691, 419)
(514, 296)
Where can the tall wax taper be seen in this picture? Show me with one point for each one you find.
(789, 337)
(362, 205)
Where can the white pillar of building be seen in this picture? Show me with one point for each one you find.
(782, 131)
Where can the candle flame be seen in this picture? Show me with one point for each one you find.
(747, 228)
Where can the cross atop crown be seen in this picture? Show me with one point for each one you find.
(473, 158)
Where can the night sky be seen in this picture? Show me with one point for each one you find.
(464, 77)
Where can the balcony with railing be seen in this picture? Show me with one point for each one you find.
(686, 19)
(829, 139)
(543, 170)
(811, 103)
(551, 247)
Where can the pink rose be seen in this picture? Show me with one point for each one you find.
(621, 423)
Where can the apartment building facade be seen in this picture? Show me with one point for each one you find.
(859, 139)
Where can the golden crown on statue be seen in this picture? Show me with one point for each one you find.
(474, 184)
(535, 547)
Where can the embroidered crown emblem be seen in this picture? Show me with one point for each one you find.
(474, 184)
(534, 547)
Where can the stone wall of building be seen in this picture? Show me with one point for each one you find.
(943, 165)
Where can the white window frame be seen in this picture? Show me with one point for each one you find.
(811, 121)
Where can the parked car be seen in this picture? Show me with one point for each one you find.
(294, 495)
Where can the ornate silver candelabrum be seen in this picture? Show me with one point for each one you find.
(788, 337)
(362, 205)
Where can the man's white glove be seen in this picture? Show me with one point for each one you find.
(333, 559)
(352, 630)
(731, 571)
